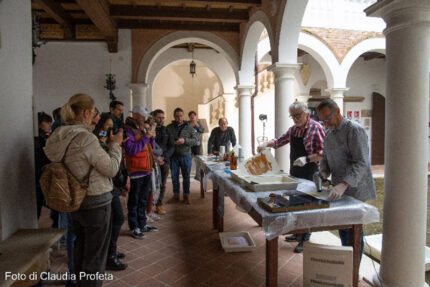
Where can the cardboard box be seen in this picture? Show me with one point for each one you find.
(237, 241)
(325, 265)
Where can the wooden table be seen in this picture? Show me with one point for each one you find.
(349, 207)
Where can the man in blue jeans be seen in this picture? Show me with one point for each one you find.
(140, 161)
(185, 138)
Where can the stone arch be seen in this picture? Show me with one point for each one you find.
(322, 54)
(219, 65)
(372, 44)
(258, 22)
(180, 37)
(290, 20)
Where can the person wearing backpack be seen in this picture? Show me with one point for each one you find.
(78, 148)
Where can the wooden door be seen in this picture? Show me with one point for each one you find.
(378, 128)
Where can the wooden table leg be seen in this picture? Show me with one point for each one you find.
(354, 238)
(220, 217)
(272, 262)
(202, 190)
(215, 207)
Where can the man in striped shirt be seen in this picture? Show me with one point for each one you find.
(306, 139)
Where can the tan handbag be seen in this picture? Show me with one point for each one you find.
(62, 190)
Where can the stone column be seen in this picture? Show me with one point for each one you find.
(139, 95)
(284, 97)
(407, 114)
(336, 94)
(229, 107)
(303, 97)
(245, 120)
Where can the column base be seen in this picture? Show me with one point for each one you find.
(377, 282)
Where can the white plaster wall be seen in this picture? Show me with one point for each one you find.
(17, 193)
(364, 78)
(63, 69)
(341, 14)
(174, 87)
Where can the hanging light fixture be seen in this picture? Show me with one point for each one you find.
(192, 64)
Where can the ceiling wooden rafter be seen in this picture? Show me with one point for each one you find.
(101, 19)
(56, 11)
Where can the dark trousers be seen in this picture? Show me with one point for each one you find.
(137, 201)
(164, 169)
(182, 163)
(92, 228)
(40, 200)
(117, 221)
(344, 237)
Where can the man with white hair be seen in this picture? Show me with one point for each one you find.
(306, 139)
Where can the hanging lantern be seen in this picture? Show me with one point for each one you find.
(192, 68)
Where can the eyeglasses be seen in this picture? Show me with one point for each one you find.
(329, 117)
(296, 116)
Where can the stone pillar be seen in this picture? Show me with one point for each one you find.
(229, 107)
(245, 120)
(139, 95)
(336, 94)
(407, 114)
(284, 97)
(303, 97)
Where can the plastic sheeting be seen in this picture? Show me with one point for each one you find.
(346, 211)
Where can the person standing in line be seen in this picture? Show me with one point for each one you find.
(88, 162)
(185, 137)
(166, 143)
(140, 161)
(195, 150)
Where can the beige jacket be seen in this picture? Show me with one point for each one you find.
(85, 150)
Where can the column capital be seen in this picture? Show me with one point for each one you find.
(140, 87)
(244, 90)
(400, 14)
(284, 68)
(337, 92)
(228, 97)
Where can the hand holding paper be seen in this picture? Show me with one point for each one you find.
(337, 191)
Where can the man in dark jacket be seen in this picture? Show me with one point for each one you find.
(185, 137)
(166, 142)
(221, 136)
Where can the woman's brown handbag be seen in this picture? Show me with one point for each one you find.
(62, 190)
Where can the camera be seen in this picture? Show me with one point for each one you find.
(262, 117)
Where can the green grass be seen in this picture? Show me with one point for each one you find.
(376, 228)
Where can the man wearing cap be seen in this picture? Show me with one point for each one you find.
(140, 161)
(185, 137)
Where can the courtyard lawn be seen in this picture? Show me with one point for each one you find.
(376, 228)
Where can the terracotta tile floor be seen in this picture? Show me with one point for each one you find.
(187, 252)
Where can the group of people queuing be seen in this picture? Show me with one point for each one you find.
(335, 146)
(116, 157)
(133, 158)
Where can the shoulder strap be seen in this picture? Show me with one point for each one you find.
(87, 176)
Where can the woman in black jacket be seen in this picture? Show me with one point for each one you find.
(102, 130)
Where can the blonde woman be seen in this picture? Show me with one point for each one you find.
(90, 164)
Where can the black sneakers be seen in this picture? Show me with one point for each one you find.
(114, 264)
(291, 238)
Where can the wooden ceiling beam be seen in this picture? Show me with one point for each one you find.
(177, 25)
(179, 14)
(98, 11)
(210, 2)
(56, 11)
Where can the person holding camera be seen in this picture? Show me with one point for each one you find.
(140, 162)
(103, 131)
